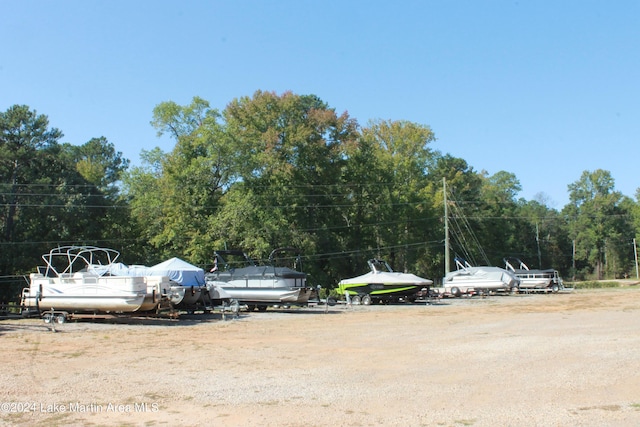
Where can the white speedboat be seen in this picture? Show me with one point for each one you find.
(383, 284)
(471, 280)
(258, 286)
(67, 282)
(535, 280)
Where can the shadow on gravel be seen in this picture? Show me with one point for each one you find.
(7, 326)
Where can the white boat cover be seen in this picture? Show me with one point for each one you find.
(180, 272)
(482, 276)
(175, 269)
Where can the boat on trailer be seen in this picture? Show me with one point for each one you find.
(77, 279)
(468, 280)
(259, 286)
(182, 284)
(382, 284)
(186, 282)
(534, 280)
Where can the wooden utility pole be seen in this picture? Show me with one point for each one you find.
(447, 262)
(573, 258)
(635, 256)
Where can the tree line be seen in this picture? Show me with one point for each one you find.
(273, 170)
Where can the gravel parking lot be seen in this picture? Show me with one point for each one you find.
(567, 359)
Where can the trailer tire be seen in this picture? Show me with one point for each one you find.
(61, 318)
(555, 288)
(355, 300)
(47, 318)
(366, 300)
(455, 291)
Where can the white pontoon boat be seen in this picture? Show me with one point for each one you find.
(70, 282)
(535, 280)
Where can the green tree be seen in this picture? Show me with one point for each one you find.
(99, 163)
(174, 196)
(53, 193)
(544, 242)
(23, 133)
(102, 214)
(142, 192)
(600, 224)
(463, 185)
(291, 149)
(395, 158)
(500, 227)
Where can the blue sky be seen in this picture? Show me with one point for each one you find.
(542, 89)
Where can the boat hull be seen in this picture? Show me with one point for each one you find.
(262, 295)
(380, 289)
(84, 293)
(474, 279)
(532, 279)
(263, 285)
(157, 290)
(185, 296)
(387, 285)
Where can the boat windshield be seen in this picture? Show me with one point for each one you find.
(378, 265)
(230, 260)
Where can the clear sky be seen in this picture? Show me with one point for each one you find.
(543, 89)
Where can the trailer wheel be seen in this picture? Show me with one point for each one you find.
(366, 300)
(555, 288)
(455, 291)
(47, 317)
(355, 300)
(61, 318)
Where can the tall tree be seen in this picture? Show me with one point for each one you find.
(99, 211)
(599, 223)
(53, 193)
(463, 186)
(175, 195)
(142, 192)
(291, 148)
(402, 156)
(543, 241)
(500, 225)
(22, 134)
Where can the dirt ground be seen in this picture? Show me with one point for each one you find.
(567, 359)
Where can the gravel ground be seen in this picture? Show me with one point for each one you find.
(526, 360)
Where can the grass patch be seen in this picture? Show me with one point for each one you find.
(595, 284)
(153, 396)
(75, 354)
(602, 407)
